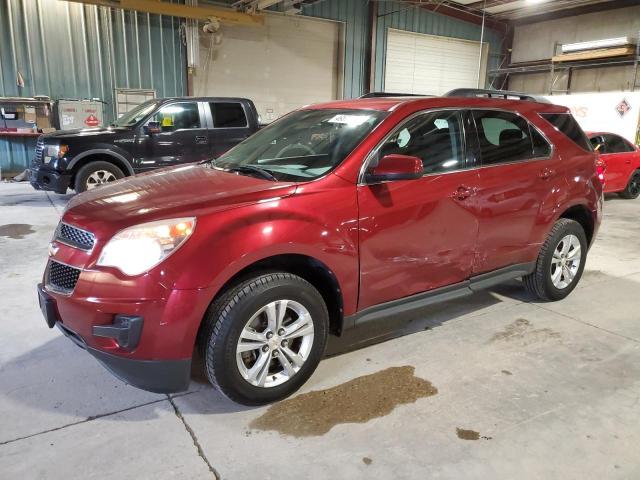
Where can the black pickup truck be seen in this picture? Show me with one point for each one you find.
(157, 133)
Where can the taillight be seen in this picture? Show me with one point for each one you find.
(601, 166)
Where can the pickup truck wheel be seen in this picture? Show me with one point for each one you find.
(263, 339)
(633, 187)
(560, 263)
(94, 174)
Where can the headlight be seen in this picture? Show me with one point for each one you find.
(138, 249)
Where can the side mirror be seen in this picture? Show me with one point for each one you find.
(395, 167)
(152, 127)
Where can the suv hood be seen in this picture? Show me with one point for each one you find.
(189, 190)
(84, 132)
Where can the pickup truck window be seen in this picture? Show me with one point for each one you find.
(138, 113)
(303, 145)
(228, 115)
(178, 116)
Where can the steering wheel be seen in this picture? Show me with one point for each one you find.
(293, 146)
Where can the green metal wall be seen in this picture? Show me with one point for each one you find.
(69, 50)
(401, 16)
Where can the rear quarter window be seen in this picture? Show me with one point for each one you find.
(568, 125)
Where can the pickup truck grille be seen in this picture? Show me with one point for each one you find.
(39, 152)
(62, 278)
(75, 237)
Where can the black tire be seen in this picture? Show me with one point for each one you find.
(83, 175)
(228, 315)
(539, 283)
(633, 187)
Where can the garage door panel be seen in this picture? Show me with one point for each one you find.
(418, 63)
(284, 64)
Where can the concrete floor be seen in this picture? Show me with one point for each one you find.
(552, 390)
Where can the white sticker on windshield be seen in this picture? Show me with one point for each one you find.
(441, 123)
(349, 120)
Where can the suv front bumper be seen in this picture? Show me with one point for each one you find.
(156, 375)
(42, 179)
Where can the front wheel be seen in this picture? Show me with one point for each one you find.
(632, 190)
(262, 339)
(95, 174)
(560, 263)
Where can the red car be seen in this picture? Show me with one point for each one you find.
(621, 161)
(334, 216)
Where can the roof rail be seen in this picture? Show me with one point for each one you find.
(389, 94)
(505, 94)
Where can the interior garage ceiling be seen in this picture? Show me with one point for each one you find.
(519, 10)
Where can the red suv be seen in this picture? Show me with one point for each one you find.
(621, 162)
(334, 216)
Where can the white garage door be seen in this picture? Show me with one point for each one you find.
(284, 64)
(418, 63)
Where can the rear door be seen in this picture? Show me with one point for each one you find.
(518, 172)
(417, 235)
(230, 125)
(621, 159)
(183, 137)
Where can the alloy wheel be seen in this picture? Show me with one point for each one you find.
(100, 177)
(634, 185)
(275, 343)
(566, 261)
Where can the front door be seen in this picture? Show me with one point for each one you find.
(517, 174)
(183, 137)
(417, 235)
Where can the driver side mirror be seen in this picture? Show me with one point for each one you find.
(395, 167)
(152, 127)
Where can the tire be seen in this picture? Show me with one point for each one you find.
(89, 175)
(229, 316)
(541, 283)
(633, 187)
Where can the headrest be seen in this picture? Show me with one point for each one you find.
(509, 137)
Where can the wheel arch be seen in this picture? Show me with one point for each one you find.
(309, 268)
(581, 214)
(100, 154)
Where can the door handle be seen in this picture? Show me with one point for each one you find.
(201, 140)
(546, 173)
(463, 192)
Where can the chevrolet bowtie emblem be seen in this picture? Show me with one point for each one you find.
(53, 249)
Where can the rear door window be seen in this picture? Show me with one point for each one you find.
(505, 137)
(568, 125)
(616, 144)
(228, 115)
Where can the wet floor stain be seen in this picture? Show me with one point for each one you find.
(507, 372)
(523, 331)
(367, 460)
(356, 401)
(15, 231)
(467, 434)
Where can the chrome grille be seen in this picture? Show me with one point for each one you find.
(39, 152)
(61, 277)
(75, 237)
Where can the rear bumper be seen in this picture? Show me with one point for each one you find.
(51, 180)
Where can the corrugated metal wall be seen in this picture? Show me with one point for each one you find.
(397, 15)
(67, 50)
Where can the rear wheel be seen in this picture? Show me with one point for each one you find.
(560, 263)
(633, 187)
(95, 174)
(263, 339)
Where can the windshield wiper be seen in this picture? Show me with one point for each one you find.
(264, 173)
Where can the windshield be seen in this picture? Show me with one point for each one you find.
(303, 145)
(134, 116)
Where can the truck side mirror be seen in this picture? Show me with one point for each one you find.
(152, 127)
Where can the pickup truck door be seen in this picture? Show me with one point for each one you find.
(183, 137)
(231, 125)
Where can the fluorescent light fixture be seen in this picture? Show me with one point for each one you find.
(597, 44)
